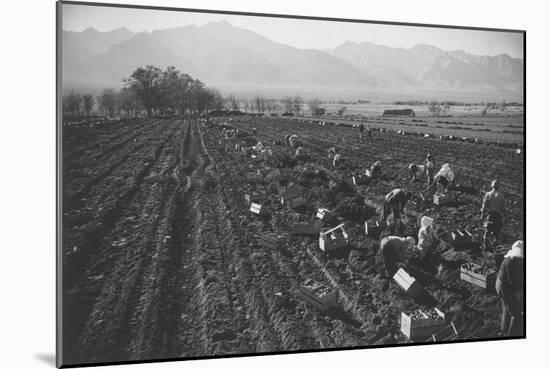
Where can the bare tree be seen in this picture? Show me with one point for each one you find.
(107, 101)
(297, 102)
(314, 106)
(259, 104)
(72, 103)
(128, 101)
(88, 101)
(288, 104)
(232, 103)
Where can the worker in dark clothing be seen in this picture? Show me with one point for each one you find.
(492, 212)
(395, 249)
(430, 165)
(361, 129)
(376, 169)
(509, 287)
(369, 131)
(395, 202)
(254, 131)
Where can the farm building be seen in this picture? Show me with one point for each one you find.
(400, 112)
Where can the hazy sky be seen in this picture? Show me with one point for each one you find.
(312, 34)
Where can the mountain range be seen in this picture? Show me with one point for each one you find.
(221, 54)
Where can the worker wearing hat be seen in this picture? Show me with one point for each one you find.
(509, 287)
(427, 237)
(492, 211)
(395, 249)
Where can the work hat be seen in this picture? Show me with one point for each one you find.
(411, 241)
(516, 251)
(426, 221)
(429, 156)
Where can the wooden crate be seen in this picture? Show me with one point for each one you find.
(374, 229)
(408, 284)
(448, 333)
(297, 203)
(461, 239)
(440, 199)
(333, 239)
(253, 197)
(272, 240)
(254, 178)
(257, 209)
(306, 228)
(290, 194)
(419, 325)
(326, 215)
(482, 277)
(317, 294)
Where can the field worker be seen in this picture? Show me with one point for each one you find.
(376, 169)
(492, 211)
(430, 165)
(301, 153)
(395, 249)
(361, 129)
(369, 131)
(259, 147)
(292, 141)
(254, 131)
(395, 202)
(509, 287)
(444, 178)
(337, 160)
(415, 171)
(331, 152)
(266, 154)
(427, 238)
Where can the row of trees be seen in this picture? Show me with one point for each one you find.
(152, 90)
(288, 104)
(258, 104)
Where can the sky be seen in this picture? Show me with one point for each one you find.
(304, 34)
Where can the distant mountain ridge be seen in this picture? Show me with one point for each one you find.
(220, 53)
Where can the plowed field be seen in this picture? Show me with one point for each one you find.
(160, 258)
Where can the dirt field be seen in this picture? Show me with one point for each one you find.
(161, 259)
(491, 130)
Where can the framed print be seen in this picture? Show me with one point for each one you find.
(234, 184)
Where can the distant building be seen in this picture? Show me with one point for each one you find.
(399, 112)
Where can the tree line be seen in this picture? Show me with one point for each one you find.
(151, 90)
(156, 92)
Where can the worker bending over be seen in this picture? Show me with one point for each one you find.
(376, 169)
(395, 203)
(395, 249)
